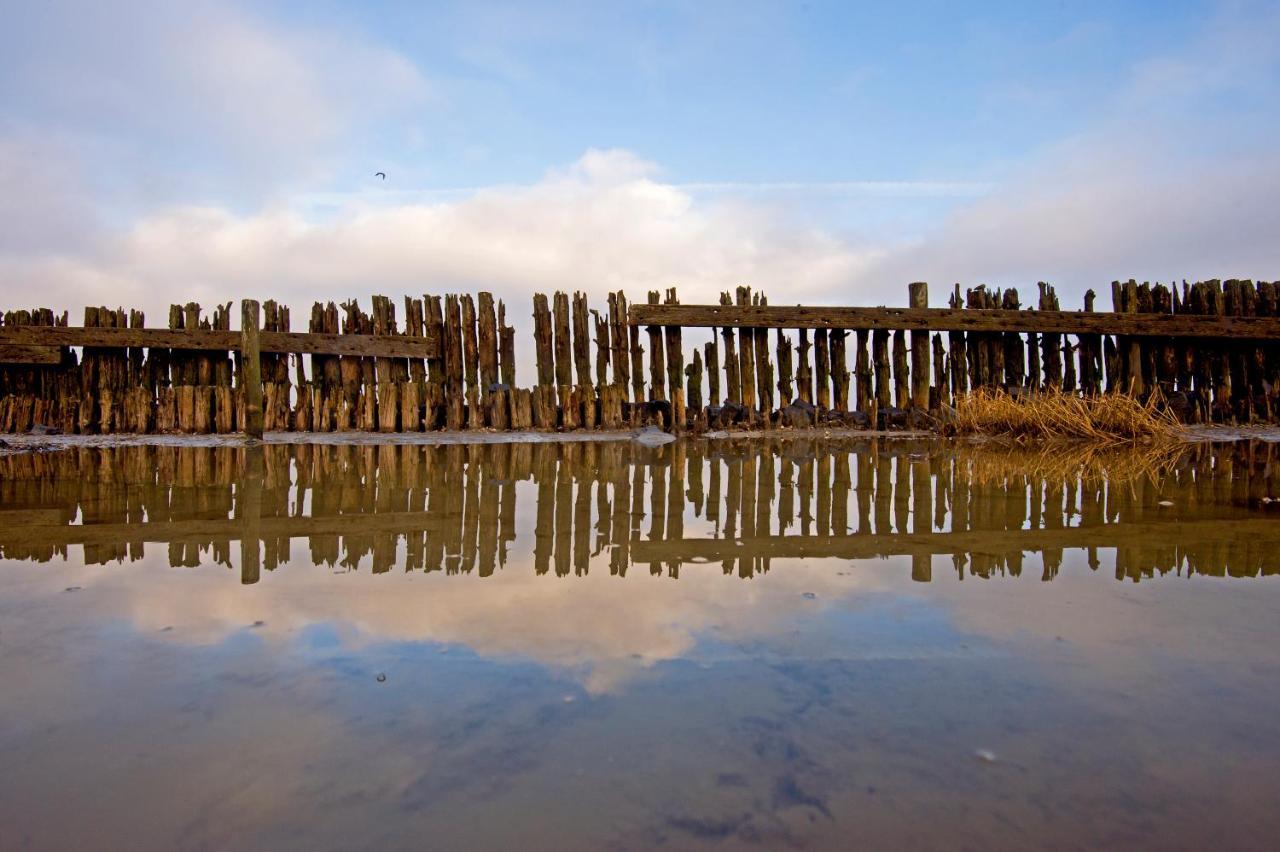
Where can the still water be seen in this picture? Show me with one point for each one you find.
(579, 646)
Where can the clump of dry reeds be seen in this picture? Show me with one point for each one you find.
(1105, 418)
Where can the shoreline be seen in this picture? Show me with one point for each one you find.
(48, 443)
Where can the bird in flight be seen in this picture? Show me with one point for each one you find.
(382, 175)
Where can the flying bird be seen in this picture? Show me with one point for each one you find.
(382, 175)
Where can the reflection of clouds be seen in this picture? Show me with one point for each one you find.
(601, 629)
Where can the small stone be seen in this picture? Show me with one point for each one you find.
(1165, 503)
(568, 699)
(808, 595)
(258, 623)
(985, 755)
(381, 678)
(72, 588)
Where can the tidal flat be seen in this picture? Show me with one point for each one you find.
(775, 642)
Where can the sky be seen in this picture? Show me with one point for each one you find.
(824, 153)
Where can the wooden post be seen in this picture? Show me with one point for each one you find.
(862, 367)
(712, 348)
(675, 368)
(251, 367)
(732, 364)
(657, 359)
(564, 365)
(784, 368)
(1051, 344)
(542, 340)
(880, 357)
(918, 297)
(839, 370)
(901, 377)
(764, 367)
(487, 333)
(938, 397)
(822, 368)
(746, 357)
(804, 375)
(581, 341)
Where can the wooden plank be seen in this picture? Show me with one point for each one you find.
(18, 353)
(948, 319)
(304, 343)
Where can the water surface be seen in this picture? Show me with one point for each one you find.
(707, 644)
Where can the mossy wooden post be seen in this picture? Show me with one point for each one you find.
(251, 367)
(918, 297)
(657, 358)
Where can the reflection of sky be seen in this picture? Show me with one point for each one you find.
(595, 710)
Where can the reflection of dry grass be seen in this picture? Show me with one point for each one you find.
(1106, 418)
(1067, 461)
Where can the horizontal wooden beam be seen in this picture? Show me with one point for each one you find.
(303, 343)
(947, 319)
(17, 353)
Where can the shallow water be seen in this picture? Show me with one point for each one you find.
(724, 644)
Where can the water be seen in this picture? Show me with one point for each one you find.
(723, 644)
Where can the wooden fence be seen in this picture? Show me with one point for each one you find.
(1212, 347)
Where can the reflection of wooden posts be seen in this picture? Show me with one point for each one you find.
(250, 515)
(251, 367)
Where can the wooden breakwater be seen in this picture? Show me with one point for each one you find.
(1211, 348)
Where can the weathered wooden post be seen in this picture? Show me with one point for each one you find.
(251, 367)
(918, 297)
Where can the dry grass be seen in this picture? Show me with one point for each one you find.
(1105, 419)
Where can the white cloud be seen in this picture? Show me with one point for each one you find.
(600, 224)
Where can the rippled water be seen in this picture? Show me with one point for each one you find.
(721, 644)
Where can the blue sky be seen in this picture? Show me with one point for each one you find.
(830, 150)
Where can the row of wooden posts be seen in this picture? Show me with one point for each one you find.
(452, 364)
(461, 508)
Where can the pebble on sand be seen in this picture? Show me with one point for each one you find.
(985, 755)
